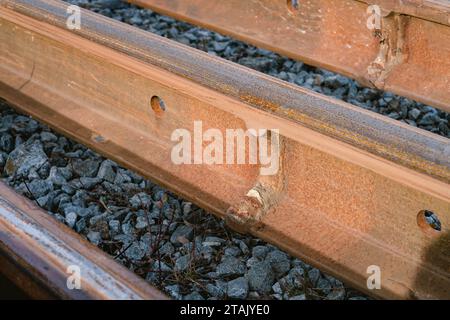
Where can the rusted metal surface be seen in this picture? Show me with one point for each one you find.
(39, 254)
(360, 128)
(351, 183)
(333, 34)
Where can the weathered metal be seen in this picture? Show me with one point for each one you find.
(406, 54)
(351, 183)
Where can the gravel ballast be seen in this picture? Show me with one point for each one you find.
(169, 241)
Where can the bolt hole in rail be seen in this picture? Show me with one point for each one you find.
(157, 105)
(351, 184)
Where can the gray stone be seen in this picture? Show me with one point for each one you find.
(79, 198)
(279, 261)
(324, 285)
(251, 261)
(257, 63)
(6, 142)
(155, 213)
(232, 251)
(86, 168)
(146, 242)
(33, 174)
(193, 296)
(136, 19)
(27, 156)
(187, 207)
(18, 141)
(39, 188)
(129, 215)
(61, 201)
(428, 119)
(135, 252)
(254, 295)
(217, 290)
(134, 176)
(96, 219)
(298, 297)
(336, 294)
(88, 182)
(141, 200)
(213, 241)
(260, 252)
(106, 171)
(3, 157)
(313, 276)
(158, 194)
(55, 176)
(125, 239)
(294, 279)
(166, 249)
(212, 275)
(230, 266)
(182, 234)
(82, 212)
(414, 113)
(174, 291)
(111, 188)
(299, 263)
(66, 172)
(261, 277)
(48, 137)
(80, 225)
(220, 46)
(74, 155)
(110, 4)
(114, 226)
(357, 298)
(59, 217)
(333, 281)
(68, 189)
(276, 288)
(23, 124)
(122, 177)
(207, 253)
(127, 228)
(141, 223)
(44, 201)
(6, 122)
(71, 219)
(160, 266)
(277, 296)
(242, 246)
(94, 237)
(237, 288)
(183, 263)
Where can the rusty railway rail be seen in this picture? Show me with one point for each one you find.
(351, 185)
(412, 42)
